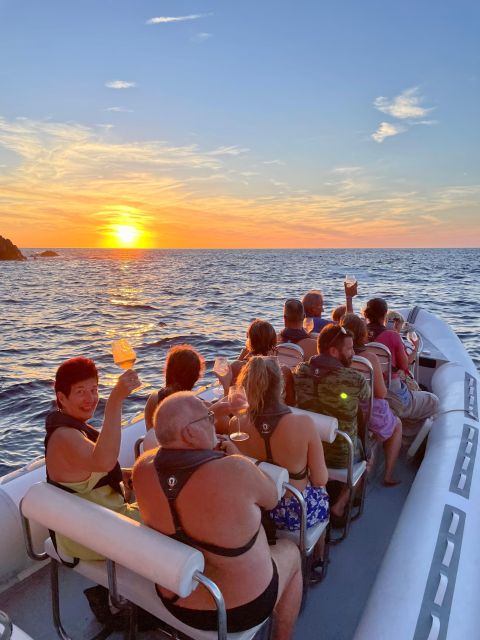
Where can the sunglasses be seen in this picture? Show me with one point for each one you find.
(340, 331)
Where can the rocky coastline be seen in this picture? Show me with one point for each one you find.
(9, 251)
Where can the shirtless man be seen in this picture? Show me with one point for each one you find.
(293, 315)
(215, 506)
(80, 459)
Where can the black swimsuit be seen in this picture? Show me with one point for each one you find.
(265, 424)
(174, 468)
(56, 419)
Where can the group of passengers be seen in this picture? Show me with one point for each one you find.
(219, 498)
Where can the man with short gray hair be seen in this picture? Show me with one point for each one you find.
(211, 500)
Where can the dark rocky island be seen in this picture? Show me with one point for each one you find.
(47, 254)
(8, 251)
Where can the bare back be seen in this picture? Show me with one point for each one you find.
(295, 445)
(220, 505)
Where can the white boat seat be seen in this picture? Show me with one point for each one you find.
(312, 535)
(363, 366)
(290, 354)
(383, 354)
(142, 555)
(150, 440)
(138, 589)
(341, 475)
(351, 476)
(326, 425)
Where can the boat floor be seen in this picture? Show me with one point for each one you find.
(333, 608)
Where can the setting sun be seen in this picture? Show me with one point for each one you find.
(126, 234)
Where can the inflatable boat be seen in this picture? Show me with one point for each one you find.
(418, 580)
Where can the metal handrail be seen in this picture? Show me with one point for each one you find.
(366, 368)
(303, 516)
(347, 438)
(27, 536)
(137, 445)
(219, 602)
(7, 626)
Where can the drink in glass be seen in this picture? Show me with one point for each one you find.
(308, 324)
(239, 405)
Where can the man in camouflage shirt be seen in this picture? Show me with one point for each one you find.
(327, 385)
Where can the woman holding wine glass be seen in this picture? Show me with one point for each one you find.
(184, 366)
(261, 341)
(278, 436)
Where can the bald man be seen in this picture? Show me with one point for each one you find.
(211, 500)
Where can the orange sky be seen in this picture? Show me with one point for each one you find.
(73, 186)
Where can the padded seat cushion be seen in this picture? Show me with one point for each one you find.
(312, 535)
(341, 474)
(142, 592)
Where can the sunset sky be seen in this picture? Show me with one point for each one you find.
(255, 123)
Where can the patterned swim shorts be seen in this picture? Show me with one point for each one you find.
(286, 514)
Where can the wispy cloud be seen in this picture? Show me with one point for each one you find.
(120, 84)
(72, 183)
(387, 130)
(119, 110)
(406, 106)
(279, 162)
(169, 19)
(229, 151)
(346, 170)
(203, 36)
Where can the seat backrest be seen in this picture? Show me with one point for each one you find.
(326, 425)
(144, 551)
(289, 354)
(385, 357)
(150, 441)
(363, 366)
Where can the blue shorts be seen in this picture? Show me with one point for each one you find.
(286, 514)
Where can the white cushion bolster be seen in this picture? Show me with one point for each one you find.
(326, 425)
(278, 474)
(150, 441)
(151, 554)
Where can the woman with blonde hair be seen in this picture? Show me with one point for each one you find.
(386, 426)
(281, 437)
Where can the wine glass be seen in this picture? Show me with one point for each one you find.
(124, 356)
(221, 368)
(239, 404)
(350, 280)
(308, 324)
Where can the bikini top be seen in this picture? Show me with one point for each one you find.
(265, 424)
(174, 468)
(56, 419)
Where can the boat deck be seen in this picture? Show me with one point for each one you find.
(333, 608)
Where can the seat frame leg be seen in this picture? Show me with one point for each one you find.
(55, 593)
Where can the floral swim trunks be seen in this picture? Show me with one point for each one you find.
(286, 514)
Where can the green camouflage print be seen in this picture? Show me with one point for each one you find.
(337, 395)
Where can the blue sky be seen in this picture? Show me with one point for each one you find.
(363, 113)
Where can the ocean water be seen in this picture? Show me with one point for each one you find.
(76, 304)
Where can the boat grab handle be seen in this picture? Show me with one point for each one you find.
(27, 536)
(7, 626)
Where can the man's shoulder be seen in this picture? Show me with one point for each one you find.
(302, 369)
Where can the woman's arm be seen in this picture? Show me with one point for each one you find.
(317, 468)
(150, 407)
(289, 386)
